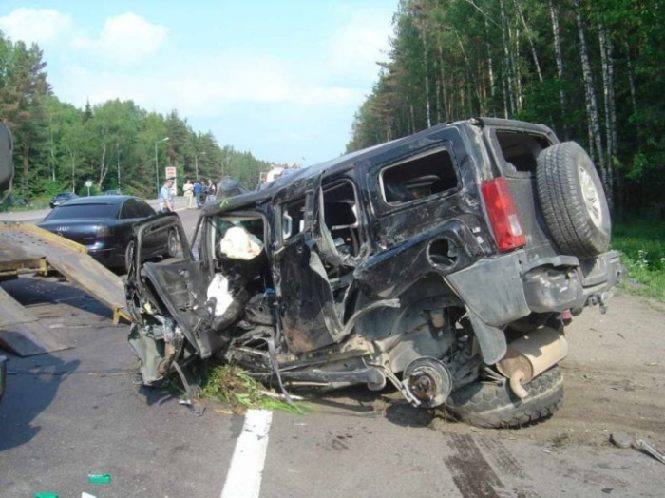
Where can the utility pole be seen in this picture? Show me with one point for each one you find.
(165, 139)
(117, 149)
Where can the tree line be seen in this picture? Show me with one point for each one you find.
(592, 70)
(58, 147)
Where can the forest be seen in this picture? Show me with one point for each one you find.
(57, 146)
(591, 70)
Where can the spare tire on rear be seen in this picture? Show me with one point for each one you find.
(572, 200)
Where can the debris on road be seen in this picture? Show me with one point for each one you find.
(625, 441)
(241, 392)
(99, 479)
(45, 494)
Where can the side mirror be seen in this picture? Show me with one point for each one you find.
(6, 166)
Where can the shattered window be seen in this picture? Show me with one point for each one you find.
(418, 178)
(340, 209)
(293, 218)
(520, 150)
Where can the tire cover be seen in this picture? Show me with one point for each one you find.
(573, 201)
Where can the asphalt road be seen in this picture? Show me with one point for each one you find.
(80, 411)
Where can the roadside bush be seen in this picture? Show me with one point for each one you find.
(642, 246)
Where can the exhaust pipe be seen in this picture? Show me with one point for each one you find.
(530, 355)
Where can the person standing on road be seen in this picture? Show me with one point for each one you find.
(166, 197)
(197, 193)
(188, 193)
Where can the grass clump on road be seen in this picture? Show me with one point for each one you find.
(230, 385)
(642, 246)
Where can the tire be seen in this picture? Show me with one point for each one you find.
(129, 255)
(495, 406)
(172, 244)
(572, 200)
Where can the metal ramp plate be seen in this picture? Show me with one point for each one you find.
(70, 259)
(20, 331)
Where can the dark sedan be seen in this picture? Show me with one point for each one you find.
(61, 198)
(104, 225)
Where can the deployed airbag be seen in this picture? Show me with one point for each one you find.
(238, 243)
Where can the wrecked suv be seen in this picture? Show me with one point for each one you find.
(445, 263)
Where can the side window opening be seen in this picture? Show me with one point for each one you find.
(418, 178)
(340, 213)
(520, 150)
(130, 210)
(293, 218)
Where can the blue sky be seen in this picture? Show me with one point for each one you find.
(279, 78)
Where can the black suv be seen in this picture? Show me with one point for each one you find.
(445, 263)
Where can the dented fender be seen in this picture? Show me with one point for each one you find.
(390, 272)
(493, 293)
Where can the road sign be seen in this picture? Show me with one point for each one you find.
(88, 183)
(172, 172)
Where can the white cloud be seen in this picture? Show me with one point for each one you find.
(35, 25)
(126, 39)
(359, 43)
(204, 86)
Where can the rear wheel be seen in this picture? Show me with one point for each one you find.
(573, 201)
(172, 244)
(495, 406)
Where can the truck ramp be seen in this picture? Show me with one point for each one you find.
(28, 249)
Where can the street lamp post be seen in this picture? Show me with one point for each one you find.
(117, 149)
(165, 139)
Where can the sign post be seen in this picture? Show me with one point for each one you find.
(172, 172)
(88, 184)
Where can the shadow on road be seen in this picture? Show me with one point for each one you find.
(30, 291)
(30, 390)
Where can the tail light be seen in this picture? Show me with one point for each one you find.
(502, 214)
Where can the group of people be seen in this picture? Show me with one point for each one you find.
(199, 192)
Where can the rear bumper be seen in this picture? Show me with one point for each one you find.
(500, 290)
(557, 289)
(111, 257)
(503, 289)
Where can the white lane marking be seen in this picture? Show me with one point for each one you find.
(244, 476)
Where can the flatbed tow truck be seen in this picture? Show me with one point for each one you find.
(26, 249)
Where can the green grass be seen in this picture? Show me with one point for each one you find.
(230, 385)
(642, 246)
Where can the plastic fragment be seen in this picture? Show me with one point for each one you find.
(99, 479)
(45, 494)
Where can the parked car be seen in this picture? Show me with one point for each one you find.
(112, 192)
(104, 224)
(445, 263)
(61, 198)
